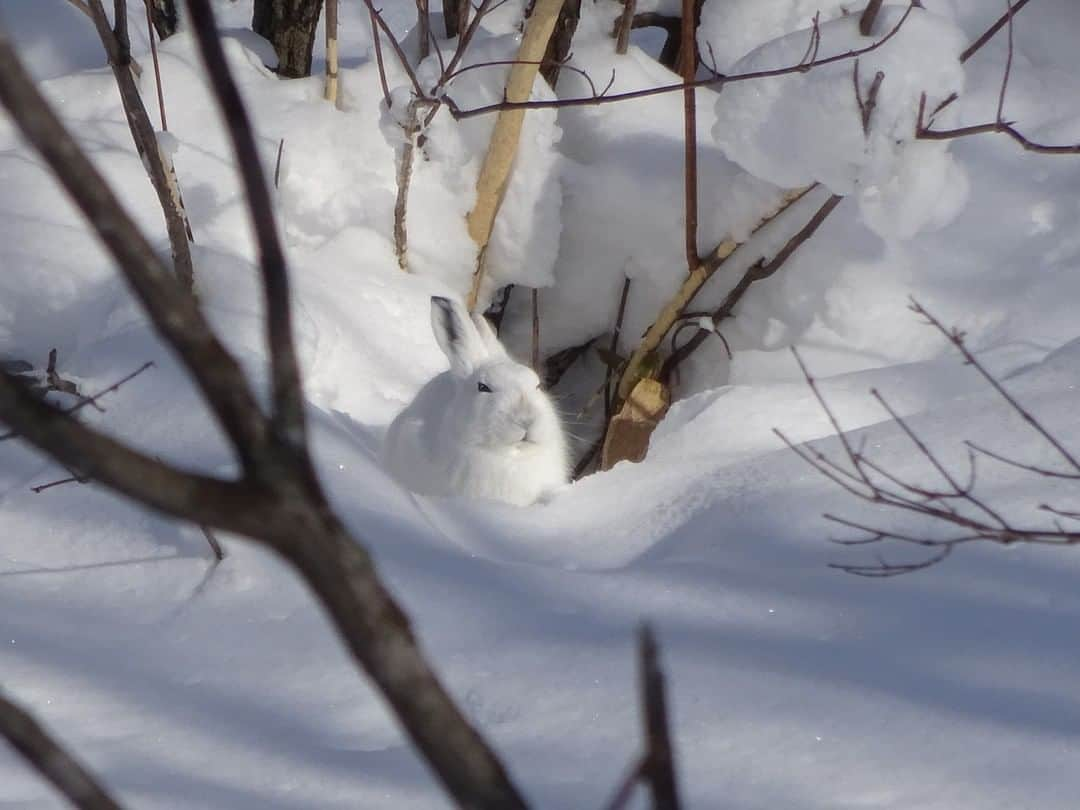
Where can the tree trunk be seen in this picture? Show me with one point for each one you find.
(290, 27)
(558, 49)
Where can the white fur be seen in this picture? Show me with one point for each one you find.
(455, 439)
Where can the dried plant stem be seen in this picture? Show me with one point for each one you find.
(331, 90)
(536, 330)
(157, 69)
(158, 164)
(411, 130)
(495, 171)
(686, 292)
(688, 51)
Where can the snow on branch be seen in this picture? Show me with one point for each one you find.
(715, 80)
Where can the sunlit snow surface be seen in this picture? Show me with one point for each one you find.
(793, 685)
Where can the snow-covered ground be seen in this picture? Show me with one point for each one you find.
(188, 685)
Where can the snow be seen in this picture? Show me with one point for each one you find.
(802, 128)
(185, 684)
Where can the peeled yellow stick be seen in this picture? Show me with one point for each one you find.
(504, 139)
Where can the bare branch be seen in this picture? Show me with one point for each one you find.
(287, 420)
(1003, 20)
(162, 177)
(688, 49)
(869, 17)
(956, 338)
(658, 766)
(279, 503)
(720, 79)
(671, 311)
(758, 271)
(173, 311)
(51, 760)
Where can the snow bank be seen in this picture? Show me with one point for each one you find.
(807, 127)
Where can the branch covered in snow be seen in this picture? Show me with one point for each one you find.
(716, 80)
(954, 504)
(51, 760)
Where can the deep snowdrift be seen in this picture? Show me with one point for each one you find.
(793, 685)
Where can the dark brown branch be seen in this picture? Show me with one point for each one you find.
(1004, 127)
(625, 788)
(867, 105)
(659, 766)
(380, 23)
(157, 67)
(869, 17)
(1008, 65)
(212, 541)
(455, 16)
(118, 49)
(987, 35)
(609, 375)
(279, 503)
(288, 422)
(535, 356)
(94, 455)
(51, 760)
(562, 38)
(172, 310)
(718, 80)
(376, 40)
(688, 49)
(93, 400)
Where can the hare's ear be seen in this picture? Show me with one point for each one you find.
(456, 335)
(487, 336)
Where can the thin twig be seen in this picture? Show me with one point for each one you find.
(150, 33)
(757, 272)
(215, 545)
(688, 49)
(92, 400)
(720, 80)
(536, 330)
(1008, 65)
(616, 331)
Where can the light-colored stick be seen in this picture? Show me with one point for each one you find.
(504, 139)
(677, 305)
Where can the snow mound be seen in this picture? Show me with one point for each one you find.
(801, 128)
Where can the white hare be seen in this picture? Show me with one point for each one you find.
(484, 428)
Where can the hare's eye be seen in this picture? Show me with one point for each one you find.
(484, 387)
